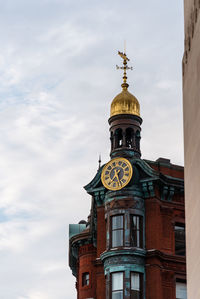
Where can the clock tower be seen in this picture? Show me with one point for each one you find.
(132, 245)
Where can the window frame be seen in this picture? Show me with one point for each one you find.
(180, 281)
(111, 284)
(133, 232)
(118, 229)
(141, 285)
(84, 279)
(181, 225)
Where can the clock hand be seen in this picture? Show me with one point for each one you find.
(116, 171)
(114, 175)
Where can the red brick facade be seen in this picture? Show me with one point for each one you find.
(162, 266)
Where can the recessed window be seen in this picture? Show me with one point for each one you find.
(129, 138)
(85, 279)
(117, 285)
(179, 231)
(117, 231)
(136, 231)
(181, 290)
(136, 285)
(118, 138)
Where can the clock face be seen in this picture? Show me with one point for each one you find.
(116, 174)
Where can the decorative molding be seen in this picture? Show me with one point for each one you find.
(126, 203)
(148, 189)
(167, 258)
(123, 260)
(95, 184)
(99, 197)
(167, 193)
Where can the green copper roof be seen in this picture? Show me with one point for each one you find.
(75, 229)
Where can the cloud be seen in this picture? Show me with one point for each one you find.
(58, 78)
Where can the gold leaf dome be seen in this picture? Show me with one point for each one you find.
(125, 103)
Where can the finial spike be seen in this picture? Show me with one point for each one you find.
(99, 161)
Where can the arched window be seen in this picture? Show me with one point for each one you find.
(118, 138)
(129, 138)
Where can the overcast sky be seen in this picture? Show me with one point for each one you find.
(57, 79)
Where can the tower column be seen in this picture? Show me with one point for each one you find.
(123, 138)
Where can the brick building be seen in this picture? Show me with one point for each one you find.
(133, 244)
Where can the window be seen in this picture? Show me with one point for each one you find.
(129, 138)
(85, 279)
(117, 231)
(181, 290)
(136, 231)
(136, 285)
(179, 231)
(119, 138)
(117, 285)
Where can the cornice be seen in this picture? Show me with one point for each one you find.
(125, 251)
(79, 238)
(153, 253)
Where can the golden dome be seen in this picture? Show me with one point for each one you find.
(125, 103)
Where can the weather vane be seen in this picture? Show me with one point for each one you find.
(125, 67)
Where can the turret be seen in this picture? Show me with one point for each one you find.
(125, 120)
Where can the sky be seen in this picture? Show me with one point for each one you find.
(57, 80)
